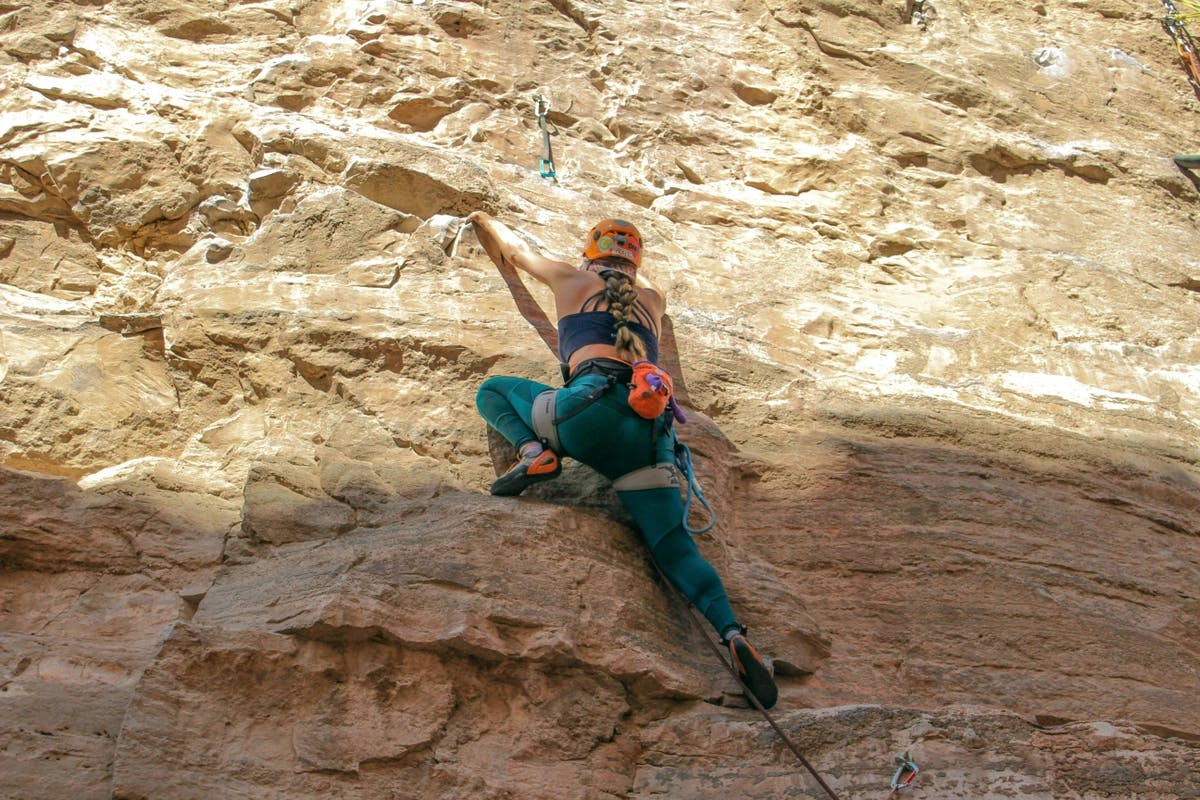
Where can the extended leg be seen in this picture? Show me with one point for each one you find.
(676, 554)
(680, 560)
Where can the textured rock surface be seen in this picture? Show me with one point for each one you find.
(934, 303)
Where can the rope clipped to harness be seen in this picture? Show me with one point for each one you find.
(546, 162)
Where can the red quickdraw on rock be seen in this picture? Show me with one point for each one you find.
(906, 770)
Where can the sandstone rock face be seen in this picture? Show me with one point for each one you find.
(933, 300)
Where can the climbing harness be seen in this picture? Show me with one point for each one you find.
(546, 162)
(1174, 24)
(680, 475)
(906, 770)
(693, 614)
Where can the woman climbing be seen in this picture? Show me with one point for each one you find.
(608, 318)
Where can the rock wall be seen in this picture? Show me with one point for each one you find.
(933, 295)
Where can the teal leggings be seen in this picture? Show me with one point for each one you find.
(612, 439)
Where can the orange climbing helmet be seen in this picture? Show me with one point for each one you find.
(614, 237)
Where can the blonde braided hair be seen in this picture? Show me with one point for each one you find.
(622, 295)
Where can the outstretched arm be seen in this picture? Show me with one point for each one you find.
(504, 246)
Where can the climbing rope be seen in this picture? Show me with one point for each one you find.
(694, 616)
(1193, 9)
(906, 769)
(546, 162)
(683, 460)
(1174, 23)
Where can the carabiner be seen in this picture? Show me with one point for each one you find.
(546, 162)
(906, 770)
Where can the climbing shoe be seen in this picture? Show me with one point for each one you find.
(530, 469)
(752, 670)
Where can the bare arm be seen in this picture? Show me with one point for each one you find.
(504, 246)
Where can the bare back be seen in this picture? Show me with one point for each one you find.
(572, 291)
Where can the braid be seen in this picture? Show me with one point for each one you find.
(621, 295)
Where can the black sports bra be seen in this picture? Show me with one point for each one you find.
(599, 327)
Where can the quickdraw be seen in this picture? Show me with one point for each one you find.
(1174, 24)
(920, 13)
(906, 770)
(546, 162)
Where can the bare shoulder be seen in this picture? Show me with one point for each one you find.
(653, 300)
(572, 288)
